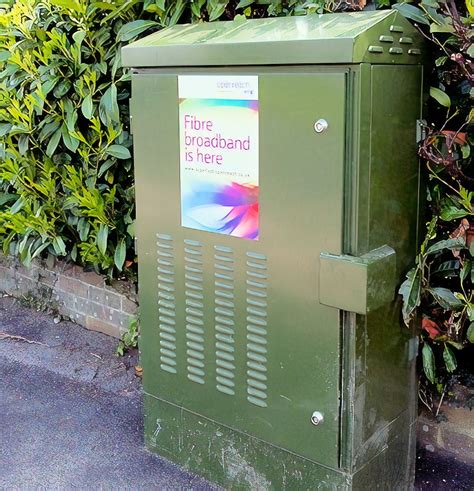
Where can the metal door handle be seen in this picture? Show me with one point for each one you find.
(358, 284)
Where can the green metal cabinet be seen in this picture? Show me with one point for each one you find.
(277, 190)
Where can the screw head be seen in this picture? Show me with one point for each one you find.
(317, 418)
(321, 125)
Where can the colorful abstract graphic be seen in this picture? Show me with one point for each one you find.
(226, 209)
(219, 155)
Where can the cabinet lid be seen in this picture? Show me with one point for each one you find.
(371, 37)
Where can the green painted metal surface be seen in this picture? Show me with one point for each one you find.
(287, 252)
(358, 284)
(377, 37)
(231, 386)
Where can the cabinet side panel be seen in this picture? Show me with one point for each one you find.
(385, 387)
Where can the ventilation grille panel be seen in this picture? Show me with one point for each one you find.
(194, 310)
(224, 319)
(257, 325)
(166, 303)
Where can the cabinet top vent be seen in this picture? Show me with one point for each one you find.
(381, 37)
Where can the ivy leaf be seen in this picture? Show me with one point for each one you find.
(428, 362)
(440, 96)
(449, 359)
(134, 28)
(119, 256)
(118, 151)
(101, 238)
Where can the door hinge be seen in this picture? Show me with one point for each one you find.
(421, 132)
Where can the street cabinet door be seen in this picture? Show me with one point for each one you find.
(237, 195)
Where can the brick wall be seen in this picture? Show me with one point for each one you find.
(75, 294)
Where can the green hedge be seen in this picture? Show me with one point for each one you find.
(440, 287)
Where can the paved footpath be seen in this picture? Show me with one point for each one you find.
(70, 415)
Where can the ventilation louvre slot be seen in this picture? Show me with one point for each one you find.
(166, 303)
(194, 311)
(224, 319)
(257, 323)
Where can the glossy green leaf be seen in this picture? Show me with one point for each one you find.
(62, 88)
(59, 246)
(102, 237)
(132, 29)
(440, 96)
(53, 142)
(5, 128)
(411, 12)
(217, 10)
(87, 107)
(70, 142)
(118, 151)
(70, 4)
(428, 362)
(105, 167)
(23, 144)
(470, 333)
(449, 213)
(244, 3)
(434, 28)
(108, 106)
(79, 36)
(449, 359)
(465, 270)
(411, 293)
(18, 205)
(458, 243)
(446, 298)
(120, 253)
(7, 198)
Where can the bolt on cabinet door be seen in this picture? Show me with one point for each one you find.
(232, 328)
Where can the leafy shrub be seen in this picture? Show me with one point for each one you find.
(65, 169)
(441, 284)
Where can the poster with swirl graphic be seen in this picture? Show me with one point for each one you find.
(218, 132)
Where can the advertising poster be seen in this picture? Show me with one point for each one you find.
(218, 130)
